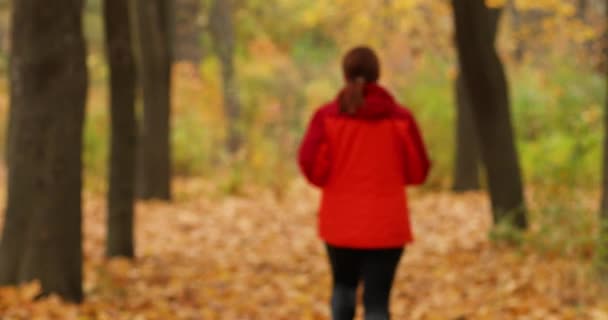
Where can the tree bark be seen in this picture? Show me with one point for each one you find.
(154, 63)
(466, 162)
(222, 31)
(6, 44)
(483, 74)
(467, 158)
(187, 43)
(48, 83)
(528, 28)
(581, 9)
(119, 53)
(517, 23)
(603, 243)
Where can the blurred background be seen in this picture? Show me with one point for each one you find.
(246, 77)
(287, 63)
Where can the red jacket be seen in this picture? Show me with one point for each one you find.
(362, 163)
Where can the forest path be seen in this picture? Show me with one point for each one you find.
(208, 256)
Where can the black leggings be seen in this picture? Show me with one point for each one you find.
(375, 268)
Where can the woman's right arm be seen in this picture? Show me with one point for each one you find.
(417, 162)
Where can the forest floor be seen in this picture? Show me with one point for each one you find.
(208, 256)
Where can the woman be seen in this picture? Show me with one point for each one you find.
(362, 149)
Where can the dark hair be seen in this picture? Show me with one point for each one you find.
(360, 65)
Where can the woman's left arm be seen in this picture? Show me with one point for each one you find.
(313, 157)
(419, 157)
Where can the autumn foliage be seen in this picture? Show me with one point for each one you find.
(253, 257)
(239, 241)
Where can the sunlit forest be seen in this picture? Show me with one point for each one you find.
(224, 228)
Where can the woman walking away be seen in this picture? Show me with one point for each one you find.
(362, 149)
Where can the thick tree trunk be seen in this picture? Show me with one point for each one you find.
(167, 20)
(154, 57)
(467, 159)
(122, 108)
(222, 31)
(466, 162)
(484, 76)
(42, 233)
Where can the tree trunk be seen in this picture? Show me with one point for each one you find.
(122, 108)
(154, 63)
(517, 23)
(188, 30)
(466, 162)
(603, 44)
(467, 159)
(603, 243)
(581, 9)
(5, 7)
(167, 20)
(483, 74)
(222, 31)
(42, 232)
(6, 39)
(527, 26)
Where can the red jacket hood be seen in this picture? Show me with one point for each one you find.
(379, 103)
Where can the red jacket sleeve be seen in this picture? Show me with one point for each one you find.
(417, 163)
(313, 156)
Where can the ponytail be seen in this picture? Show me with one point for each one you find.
(360, 66)
(352, 97)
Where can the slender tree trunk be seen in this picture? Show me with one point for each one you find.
(122, 108)
(581, 9)
(527, 26)
(222, 31)
(6, 6)
(603, 243)
(517, 24)
(467, 158)
(188, 30)
(154, 62)
(581, 14)
(483, 74)
(603, 44)
(42, 233)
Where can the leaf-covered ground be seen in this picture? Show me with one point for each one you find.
(207, 256)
